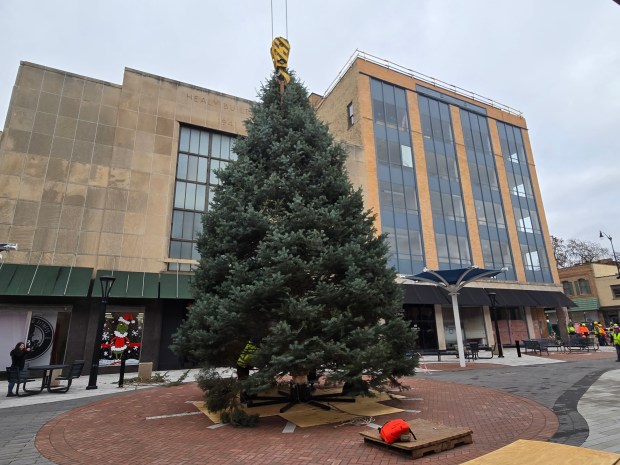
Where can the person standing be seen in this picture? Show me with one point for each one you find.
(244, 365)
(599, 331)
(616, 337)
(245, 360)
(18, 360)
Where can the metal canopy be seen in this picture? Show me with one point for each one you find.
(453, 281)
(458, 277)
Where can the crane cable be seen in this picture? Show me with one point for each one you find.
(285, 17)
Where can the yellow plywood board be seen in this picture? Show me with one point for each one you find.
(366, 409)
(544, 453)
(264, 411)
(213, 416)
(305, 415)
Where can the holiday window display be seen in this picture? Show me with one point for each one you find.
(122, 333)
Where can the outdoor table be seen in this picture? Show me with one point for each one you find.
(47, 370)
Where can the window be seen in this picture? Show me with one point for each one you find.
(524, 205)
(615, 291)
(396, 172)
(201, 154)
(445, 184)
(568, 287)
(350, 115)
(583, 286)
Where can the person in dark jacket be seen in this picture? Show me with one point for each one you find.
(18, 360)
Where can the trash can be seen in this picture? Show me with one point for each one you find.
(145, 371)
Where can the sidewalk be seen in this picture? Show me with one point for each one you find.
(106, 385)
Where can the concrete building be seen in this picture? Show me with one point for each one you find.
(99, 178)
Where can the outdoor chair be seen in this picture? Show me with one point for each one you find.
(74, 371)
(20, 377)
(474, 348)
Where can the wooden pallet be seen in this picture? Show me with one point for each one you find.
(431, 438)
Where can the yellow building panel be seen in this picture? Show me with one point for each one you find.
(539, 203)
(371, 192)
(424, 195)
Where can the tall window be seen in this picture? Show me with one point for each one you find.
(494, 240)
(531, 240)
(444, 182)
(201, 154)
(398, 195)
(568, 287)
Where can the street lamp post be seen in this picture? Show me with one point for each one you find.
(500, 350)
(106, 287)
(601, 235)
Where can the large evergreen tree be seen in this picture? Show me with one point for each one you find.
(289, 254)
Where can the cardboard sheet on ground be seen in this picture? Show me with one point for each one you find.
(305, 415)
(544, 453)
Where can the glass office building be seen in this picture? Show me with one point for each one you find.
(451, 177)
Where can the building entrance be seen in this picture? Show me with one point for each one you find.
(422, 320)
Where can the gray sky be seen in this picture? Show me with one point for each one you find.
(557, 61)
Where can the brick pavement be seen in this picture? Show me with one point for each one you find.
(116, 428)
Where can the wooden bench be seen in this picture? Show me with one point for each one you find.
(535, 346)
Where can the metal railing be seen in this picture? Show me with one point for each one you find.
(421, 77)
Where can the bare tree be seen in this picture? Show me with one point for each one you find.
(573, 252)
(559, 252)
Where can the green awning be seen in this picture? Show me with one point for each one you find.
(175, 286)
(585, 304)
(129, 284)
(44, 280)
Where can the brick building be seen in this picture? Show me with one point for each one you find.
(595, 290)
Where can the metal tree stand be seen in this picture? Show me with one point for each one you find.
(298, 394)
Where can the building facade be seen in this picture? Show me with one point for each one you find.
(595, 290)
(105, 179)
(452, 179)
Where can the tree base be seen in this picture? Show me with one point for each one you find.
(298, 394)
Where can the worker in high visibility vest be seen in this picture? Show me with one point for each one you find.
(616, 336)
(245, 360)
(599, 331)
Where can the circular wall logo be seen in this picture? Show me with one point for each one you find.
(40, 336)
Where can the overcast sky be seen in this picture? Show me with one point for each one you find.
(557, 61)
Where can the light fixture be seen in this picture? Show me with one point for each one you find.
(106, 286)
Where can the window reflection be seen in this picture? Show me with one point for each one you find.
(397, 186)
(525, 210)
